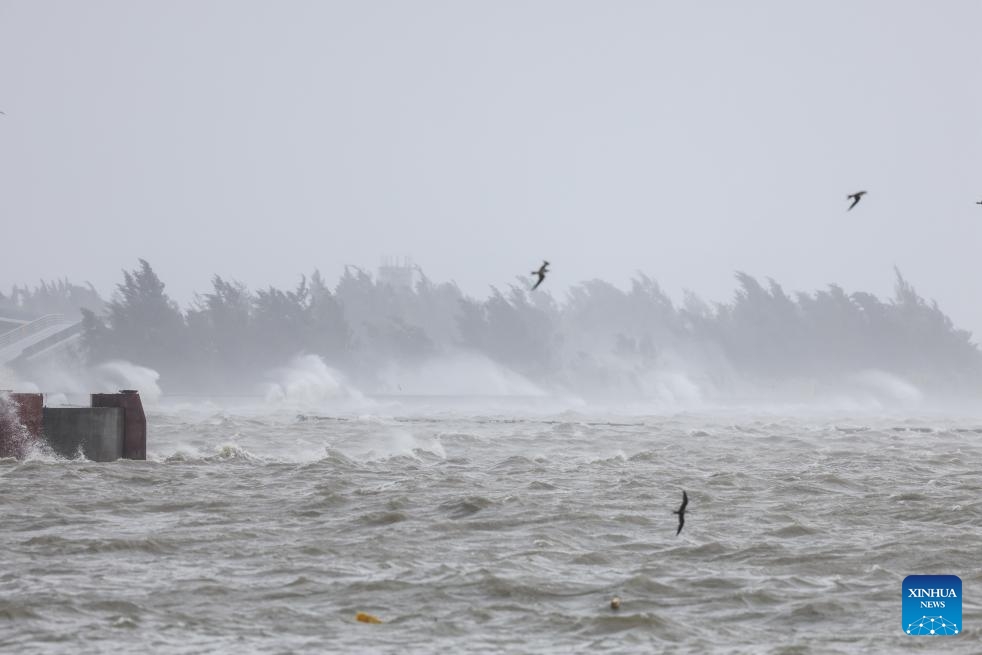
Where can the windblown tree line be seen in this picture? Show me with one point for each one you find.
(57, 297)
(600, 337)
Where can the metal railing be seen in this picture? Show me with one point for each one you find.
(26, 330)
(60, 338)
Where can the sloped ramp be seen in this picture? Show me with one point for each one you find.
(42, 334)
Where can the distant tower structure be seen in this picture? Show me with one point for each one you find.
(397, 272)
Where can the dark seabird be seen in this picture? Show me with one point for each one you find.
(541, 273)
(855, 198)
(979, 202)
(681, 512)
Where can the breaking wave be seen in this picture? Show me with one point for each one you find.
(307, 383)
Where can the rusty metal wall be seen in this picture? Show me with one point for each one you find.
(30, 410)
(20, 413)
(135, 421)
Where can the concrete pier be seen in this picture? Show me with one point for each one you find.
(135, 441)
(20, 422)
(30, 408)
(95, 432)
(114, 427)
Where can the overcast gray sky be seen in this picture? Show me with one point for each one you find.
(260, 140)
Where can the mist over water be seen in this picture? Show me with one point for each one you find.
(477, 384)
(74, 383)
(457, 374)
(368, 337)
(308, 382)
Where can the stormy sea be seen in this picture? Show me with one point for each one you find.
(493, 525)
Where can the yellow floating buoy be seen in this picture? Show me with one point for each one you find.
(615, 603)
(367, 618)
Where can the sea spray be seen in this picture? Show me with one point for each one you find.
(308, 383)
(67, 385)
(8, 379)
(670, 389)
(458, 374)
(120, 374)
(890, 388)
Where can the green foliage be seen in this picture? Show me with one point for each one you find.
(363, 326)
(141, 324)
(58, 297)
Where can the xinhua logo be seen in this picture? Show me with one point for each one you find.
(932, 605)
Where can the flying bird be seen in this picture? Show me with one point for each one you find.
(541, 273)
(681, 511)
(855, 198)
(979, 202)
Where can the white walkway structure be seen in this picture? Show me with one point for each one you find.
(32, 338)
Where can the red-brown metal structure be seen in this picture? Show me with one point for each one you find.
(134, 421)
(28, 409)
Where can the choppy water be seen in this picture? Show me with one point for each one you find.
(254, 530)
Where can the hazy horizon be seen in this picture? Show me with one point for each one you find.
(686, 142)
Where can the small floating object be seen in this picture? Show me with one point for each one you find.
(367, 618)
(615, 603)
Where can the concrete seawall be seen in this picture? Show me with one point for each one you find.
(135, 432)
(15, 438)
(114, 427)
(96, 432)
